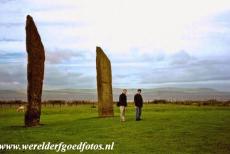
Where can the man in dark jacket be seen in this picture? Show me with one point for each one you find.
(138, 100)
(123, 104)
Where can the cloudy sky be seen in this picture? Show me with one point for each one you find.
(151, 43)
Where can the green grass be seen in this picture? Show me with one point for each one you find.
(174, 129)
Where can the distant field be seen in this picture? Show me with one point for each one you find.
(176, 129)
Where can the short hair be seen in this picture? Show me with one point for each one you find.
(139, 90)
(124, 89)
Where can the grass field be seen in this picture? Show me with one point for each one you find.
(175, 129)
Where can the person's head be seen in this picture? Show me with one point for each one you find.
(124, 91)
(138, 91)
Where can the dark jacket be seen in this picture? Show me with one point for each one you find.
(123, 100)
(138, 100)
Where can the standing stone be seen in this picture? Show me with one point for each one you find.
(104, 84)
(35, 73)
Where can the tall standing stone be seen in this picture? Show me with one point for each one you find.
(35, 73)
(104, 84)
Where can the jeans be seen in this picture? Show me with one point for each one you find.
(122, 113)
(138, 113)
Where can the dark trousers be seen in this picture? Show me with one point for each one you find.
(138, 112)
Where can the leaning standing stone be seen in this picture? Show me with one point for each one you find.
(35, 73)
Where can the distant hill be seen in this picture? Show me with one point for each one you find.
(184, 90)
(167, 93)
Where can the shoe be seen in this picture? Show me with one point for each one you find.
(138, 119)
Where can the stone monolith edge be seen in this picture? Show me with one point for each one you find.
(35, 73)
(104, 84)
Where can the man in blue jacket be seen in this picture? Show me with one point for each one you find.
(138, 100)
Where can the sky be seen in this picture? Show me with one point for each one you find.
(150, 43)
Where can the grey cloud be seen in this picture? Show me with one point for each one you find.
(61, 56)
(14, 77)
(11, 73)
(222, 19)
(181, 58)
(60, 78)
(6, 1)
(12, 58)
(11, 24)
(10, 40)
(203, 70)
(176, 68)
